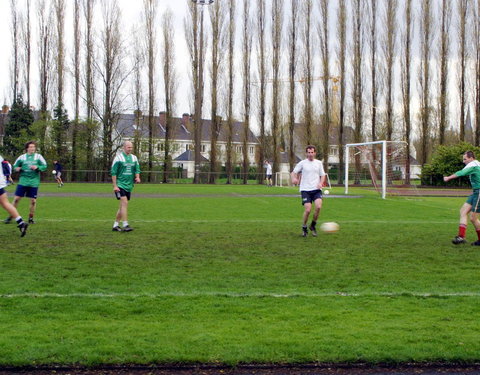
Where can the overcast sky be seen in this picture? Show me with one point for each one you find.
(131, 14)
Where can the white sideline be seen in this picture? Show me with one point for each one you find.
(239, 295)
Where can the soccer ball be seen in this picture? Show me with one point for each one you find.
(54, 171)
(326, 192)
(329, 227)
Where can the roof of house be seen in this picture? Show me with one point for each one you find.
(189, 155)
(182, 129)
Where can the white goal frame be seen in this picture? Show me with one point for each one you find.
(384, 162)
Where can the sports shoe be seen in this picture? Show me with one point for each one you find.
(313, 230)
(304, 232)
(476, 243)
(127, 229)
(23, 228)
(31, 221)
(116, 229)
(8, 220)
(459, 240)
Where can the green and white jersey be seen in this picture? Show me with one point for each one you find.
(472, 170)
(125, 167)
(30, 177)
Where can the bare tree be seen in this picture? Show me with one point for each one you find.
(389, 53)
(426, 27)
(89, 8)
(444, 58)
(277, 26)
(373, 69)
(76, 82)
(357, 65)
(112, 73)
(246, 73)
(59, 6)
(16, 48)
(169, 87)
(342, 60)
(217, 21)
(325, 54)
(292, 69)
(150, 14)
(476, 42)
(307, 67)
(195, 40)
(230, 89)
(463, 11)
(27, 49)
(262, 71)
(406, 64)
(137, 88)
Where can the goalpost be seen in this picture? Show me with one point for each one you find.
(378, 164)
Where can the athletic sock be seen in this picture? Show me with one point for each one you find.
(19, 220)
(313, 223)
(462, 228)
(30, 216)
(115, 224)
(125, 224)
(304, 228)
(478, 233)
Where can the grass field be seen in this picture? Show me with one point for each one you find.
(220, 274)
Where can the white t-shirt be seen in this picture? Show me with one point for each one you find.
(311, 172)
(3, 180)
(269, 169)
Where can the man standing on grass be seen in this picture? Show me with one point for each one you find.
(472, 205)
(6, 204)
(57, 167)
(268, 173)
(125, 172)
(311, 183)
(29, 165)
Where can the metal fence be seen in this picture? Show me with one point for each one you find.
(156, 177)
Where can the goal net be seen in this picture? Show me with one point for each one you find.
(380, 165)
(282, 179)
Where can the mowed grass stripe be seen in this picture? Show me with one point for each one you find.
(242, 295)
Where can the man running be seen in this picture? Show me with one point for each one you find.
(7, 205)
(472, 205)
(311, 183)
(57, 167)
(125, 172)
(29, 165)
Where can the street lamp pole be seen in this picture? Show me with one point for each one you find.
(199, 95)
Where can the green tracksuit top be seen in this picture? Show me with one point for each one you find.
(30, 177)
(472, 170)
(125, 167)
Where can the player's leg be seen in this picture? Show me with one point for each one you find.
(462, 227)
(306, 213)
(121, 213)
(31, 214)
(13, 212)
(15, 202)
(316, 214)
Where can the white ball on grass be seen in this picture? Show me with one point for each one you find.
(329, 227)
(326, 192)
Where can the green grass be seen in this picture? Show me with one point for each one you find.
(220, 274)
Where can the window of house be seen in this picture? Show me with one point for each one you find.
(333, 151)
(251, 150)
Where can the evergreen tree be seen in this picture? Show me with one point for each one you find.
(60, 127)
(17, 129)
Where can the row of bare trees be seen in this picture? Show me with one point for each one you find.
(320, 72)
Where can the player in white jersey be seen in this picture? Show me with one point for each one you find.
(10, 208)
(311, 176)
(268, 173)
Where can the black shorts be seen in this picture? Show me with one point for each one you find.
(311, 196)
(26, 191)
(122, 193)
(2, 191)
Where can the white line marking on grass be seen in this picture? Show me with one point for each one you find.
(240, 295)
(416, 222)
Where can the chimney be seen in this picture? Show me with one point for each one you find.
(5, 109)
(162, 118)
(186, 122)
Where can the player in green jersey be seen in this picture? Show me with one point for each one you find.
(125, 172)
(472, 205)
(29, 165)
